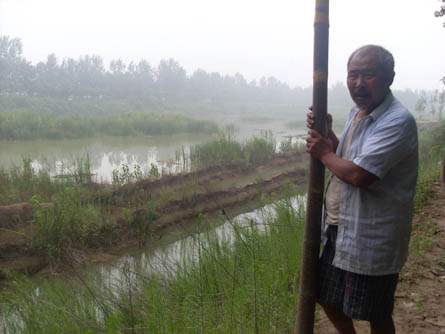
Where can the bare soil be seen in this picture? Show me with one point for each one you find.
(178, 198)
(420, 295)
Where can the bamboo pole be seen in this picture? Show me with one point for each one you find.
(311, 244)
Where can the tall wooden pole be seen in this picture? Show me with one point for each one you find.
(311, 244)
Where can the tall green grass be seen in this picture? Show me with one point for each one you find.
(431, 150)
(73, 221)
(66, 212)
(21, 183)
(245, 281)
(29, 125)
(226, 150)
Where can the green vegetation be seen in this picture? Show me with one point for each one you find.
(431, 150)
(244, 281)
(227, 150)
(21, 183)
(72, 221)
(24, 183)
(85, 87)
(31, 125)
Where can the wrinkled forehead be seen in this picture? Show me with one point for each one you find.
(362, 60)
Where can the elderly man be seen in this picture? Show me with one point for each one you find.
(369, 197)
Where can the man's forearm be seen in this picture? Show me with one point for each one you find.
(347, 171)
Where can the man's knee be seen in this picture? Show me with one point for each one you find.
(339, 319)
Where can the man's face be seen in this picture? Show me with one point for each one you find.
(366, 81)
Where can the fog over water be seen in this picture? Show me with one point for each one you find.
(255, 38)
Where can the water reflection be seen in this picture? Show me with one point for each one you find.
(106, 154)
(165, 258)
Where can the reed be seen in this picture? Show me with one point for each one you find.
(242, 280)
(226, 150)
(28, 125)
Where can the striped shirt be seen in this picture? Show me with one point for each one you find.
(374, 223)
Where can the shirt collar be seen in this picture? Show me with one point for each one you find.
(382, 107)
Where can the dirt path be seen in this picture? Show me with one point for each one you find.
(420, 295)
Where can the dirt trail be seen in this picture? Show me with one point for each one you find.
(420, 295)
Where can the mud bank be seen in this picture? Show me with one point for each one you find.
(179, 198)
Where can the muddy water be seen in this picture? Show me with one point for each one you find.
(163, 259)
(105, 153)
(109, 153)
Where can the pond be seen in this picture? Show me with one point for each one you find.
(106, 154)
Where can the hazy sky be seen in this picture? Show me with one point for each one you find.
(253, 37)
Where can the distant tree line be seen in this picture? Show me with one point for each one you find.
(88, 78)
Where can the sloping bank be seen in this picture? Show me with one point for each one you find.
(87, 222)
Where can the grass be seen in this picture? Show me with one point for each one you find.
(29, 125)
(431, 150)
(226, 150)
(66, 213)
(73, 221)
(20, 183)
(243, 281)
(71, 213)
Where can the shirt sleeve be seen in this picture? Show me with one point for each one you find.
(390, 142)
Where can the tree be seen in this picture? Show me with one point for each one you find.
(15, 71)
(440, 12)
(171, 76)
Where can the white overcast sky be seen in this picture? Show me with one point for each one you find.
(253, 37)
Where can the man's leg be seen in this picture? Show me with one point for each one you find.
(371, 298)
(341, 321)
(331, 286)
(383, 327)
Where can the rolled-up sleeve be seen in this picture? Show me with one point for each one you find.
(391, 142)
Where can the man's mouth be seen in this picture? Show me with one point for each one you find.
(362, 95)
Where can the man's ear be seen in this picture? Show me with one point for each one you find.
(390, 78)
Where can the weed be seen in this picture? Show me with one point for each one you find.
(29, 125)
(243, 280)
(226, 150)
(286, 144)
(68, 224)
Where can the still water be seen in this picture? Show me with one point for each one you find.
(111, 153)
(164, 258)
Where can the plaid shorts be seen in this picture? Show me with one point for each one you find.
(360, 297)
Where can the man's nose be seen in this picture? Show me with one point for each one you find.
(359, 82)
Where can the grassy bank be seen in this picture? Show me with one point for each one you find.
(431, 151)
(28, 125)
(70, 213)
(226, 150)
(243, 281)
